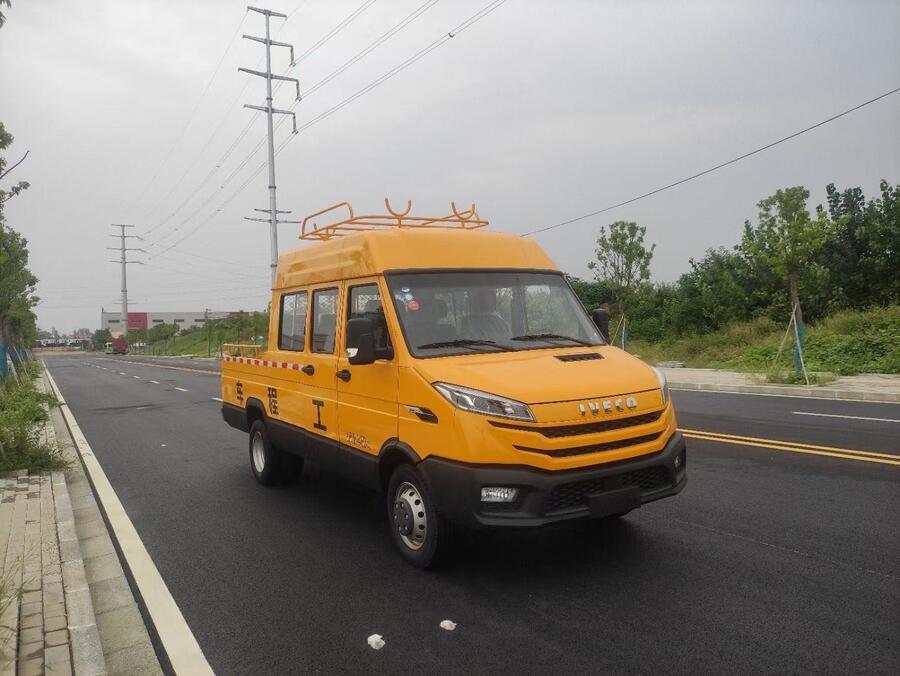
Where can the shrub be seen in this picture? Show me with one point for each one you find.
(22, 415)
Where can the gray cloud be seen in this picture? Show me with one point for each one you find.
(540, 112)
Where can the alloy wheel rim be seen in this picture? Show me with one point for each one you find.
(259, 453)
(409, 516)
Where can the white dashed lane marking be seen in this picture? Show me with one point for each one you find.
(155, 382)
(216, 399)
(847, 417)
(181, 389)
(136, 377)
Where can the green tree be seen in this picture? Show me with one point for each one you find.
(786, 238)
(718, 290)
(623, 261)
(17, 320)
(100, 338)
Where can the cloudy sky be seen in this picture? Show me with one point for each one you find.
(539, 112)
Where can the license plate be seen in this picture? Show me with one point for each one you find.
(614, 502)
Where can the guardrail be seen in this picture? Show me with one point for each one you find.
(240, 350)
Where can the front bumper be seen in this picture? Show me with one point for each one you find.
(547, 497)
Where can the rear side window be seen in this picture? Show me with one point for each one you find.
(293, 321)
(324, 320)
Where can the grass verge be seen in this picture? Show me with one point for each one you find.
(23, 412)
(845, 343)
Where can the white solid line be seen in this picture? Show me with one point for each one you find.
(216, 399)
(786, 396)
(177, 640)
(155, 382)
(849, 417)
(181, 389)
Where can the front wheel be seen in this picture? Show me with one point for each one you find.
(420, 533)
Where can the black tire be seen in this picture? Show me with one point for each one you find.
(403, 521)
(266, 466)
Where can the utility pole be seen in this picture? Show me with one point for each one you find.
(269, 220)
(208, 328)
(269, 111)
(124, 262)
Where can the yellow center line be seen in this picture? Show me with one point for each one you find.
(809, 449)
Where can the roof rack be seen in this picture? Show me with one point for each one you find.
(310, 229)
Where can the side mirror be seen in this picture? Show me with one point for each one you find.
(360, 342)
(601, 321)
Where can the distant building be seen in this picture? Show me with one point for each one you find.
(147, 320)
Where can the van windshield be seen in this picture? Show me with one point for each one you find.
(449, 313)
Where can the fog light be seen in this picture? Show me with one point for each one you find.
(499, 494)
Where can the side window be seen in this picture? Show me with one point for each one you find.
(365, 302)
(324, 320)
(293, 321)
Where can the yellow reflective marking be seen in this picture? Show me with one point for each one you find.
(809, 449)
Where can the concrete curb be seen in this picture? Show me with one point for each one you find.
(789, 391)
(87, 652)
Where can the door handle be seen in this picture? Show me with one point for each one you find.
(344, 375)
(309, 369)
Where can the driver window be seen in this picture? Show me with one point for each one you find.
(365, 303)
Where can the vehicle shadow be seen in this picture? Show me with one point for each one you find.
(579, 546)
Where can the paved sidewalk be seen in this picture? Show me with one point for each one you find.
(868, 387)
(65, 604)
(47, 617)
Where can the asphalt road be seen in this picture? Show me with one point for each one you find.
(769, 561)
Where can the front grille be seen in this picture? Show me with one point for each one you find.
(593, 448)
(576, 494)
(584, 356)
(558, 431)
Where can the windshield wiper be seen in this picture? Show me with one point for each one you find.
(550, 336)
(463, 342)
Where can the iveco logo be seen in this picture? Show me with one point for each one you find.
(609, 405)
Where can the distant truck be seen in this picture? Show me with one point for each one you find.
(119, 345)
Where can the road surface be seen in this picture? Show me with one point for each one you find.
(771, 560)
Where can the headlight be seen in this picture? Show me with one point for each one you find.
(663, 385)
(481, 402)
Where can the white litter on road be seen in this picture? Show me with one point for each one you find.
(376, 642)
(449, 625)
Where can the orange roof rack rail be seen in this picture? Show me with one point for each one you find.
(310, 229)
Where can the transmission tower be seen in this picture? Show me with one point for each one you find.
(124, 262)
(269, 111)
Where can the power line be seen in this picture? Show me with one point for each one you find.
(228, 109)
(346, 21)
(487, 9)
(468, 23)
(190, 117)
(412, 16)
(712, 169)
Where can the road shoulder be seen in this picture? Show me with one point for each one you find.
(103, 585)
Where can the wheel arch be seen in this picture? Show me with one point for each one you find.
(254, 411)
(393, 453)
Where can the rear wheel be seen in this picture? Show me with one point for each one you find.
(268, 464)
(420, 533)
